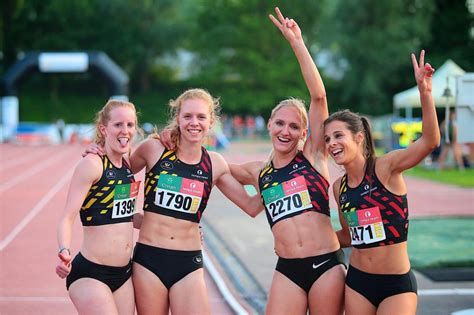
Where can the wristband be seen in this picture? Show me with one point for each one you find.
(63, 249)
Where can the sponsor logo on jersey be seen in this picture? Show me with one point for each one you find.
(110, 174)
(167, 165)
(267, 178)
(343, 198)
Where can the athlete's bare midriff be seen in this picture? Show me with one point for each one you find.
(304, 235)
(110, 244)
(168, 232)
(391, 259)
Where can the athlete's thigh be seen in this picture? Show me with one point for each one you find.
(151, 296)
(356, 304)
(189, 295)
(90, 296)
(125, 299)
(327, 293)
(286, 297)
(401, 304)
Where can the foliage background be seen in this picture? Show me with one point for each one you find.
(229, 47)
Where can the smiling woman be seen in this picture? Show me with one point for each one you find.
(167, 263)
(103, 191)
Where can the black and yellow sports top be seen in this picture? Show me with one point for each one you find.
(112, 199)
(293, 189)
(375, 216)
(177, 189)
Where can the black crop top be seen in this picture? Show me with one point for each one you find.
(112, 199)
(177, 189)
(375, 216)
(293, 189)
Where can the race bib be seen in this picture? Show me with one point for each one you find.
(178, 193)
(287, 198)
(125, 198)
(365, 225)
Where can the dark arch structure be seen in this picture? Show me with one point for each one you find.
(55, 62)
(78, 62)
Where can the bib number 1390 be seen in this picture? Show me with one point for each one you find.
(125, 198)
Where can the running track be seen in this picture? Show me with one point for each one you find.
(34, 181)
(33, 185)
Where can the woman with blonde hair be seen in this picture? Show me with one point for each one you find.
(294, 186)
(103, 192)
(168, 264)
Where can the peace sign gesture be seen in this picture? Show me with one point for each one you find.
(423, 72)
(288, 27)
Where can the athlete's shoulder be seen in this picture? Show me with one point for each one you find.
(150, 146)
(216, 158)
(90, 167)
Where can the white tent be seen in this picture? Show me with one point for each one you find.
(444, 76)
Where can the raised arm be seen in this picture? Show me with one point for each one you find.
(318, 110)
(401, 160)
(86, 173)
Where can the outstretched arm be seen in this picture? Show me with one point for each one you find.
(232, 189)
(401, 160)
(246, 174)
(318, 110)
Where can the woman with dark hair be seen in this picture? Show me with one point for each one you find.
(373, 209)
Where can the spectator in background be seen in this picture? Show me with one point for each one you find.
(250, 126)
(60, 126)
(260, 126)
(238, 126)
(449, 134)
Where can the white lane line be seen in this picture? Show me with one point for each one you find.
(36, 209)
(38, 167)
(16, 161)
(438, 292)
(48, 299)
(223, 289)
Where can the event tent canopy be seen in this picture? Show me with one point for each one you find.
(411, 98)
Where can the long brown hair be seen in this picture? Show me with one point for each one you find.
(357, 123)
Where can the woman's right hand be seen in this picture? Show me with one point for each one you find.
(94, 148)
(287, 26)
(63, 268)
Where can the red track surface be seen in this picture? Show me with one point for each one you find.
(33, 185)
(34, 182)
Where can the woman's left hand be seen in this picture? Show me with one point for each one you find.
(423, 72)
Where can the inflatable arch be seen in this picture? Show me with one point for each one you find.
(56, 62)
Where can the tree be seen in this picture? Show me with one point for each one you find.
(376, 39)
(241, 56)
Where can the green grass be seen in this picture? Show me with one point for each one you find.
(448, 176)
(441, 242)
(437, 242)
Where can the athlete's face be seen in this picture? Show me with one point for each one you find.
(194, 120)
(120, 129)
(286, 129)
(341, 144)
